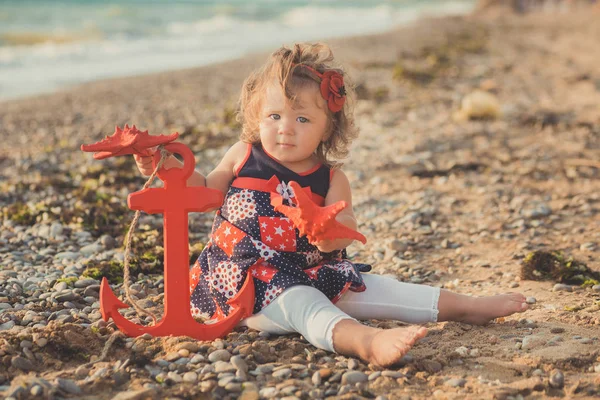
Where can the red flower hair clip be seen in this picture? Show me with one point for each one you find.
(332, 87)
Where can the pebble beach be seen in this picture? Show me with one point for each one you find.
(479, 145)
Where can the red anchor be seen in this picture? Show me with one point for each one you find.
(175, 200)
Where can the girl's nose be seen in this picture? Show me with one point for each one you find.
(285, 127)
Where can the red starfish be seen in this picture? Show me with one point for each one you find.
(317, 223)
(127, 141)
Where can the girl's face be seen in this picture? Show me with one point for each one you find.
(291, 132)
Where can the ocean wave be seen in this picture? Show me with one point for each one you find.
(37, 62)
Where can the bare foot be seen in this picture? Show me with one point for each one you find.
(482, 310)
(388, 346)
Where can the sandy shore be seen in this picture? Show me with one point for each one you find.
(444, 199)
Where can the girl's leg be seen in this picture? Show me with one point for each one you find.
(388, 298)
(479, 310)
(306, 310)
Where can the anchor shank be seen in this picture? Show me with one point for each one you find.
(176, 261)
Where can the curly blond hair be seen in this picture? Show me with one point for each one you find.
(281, 67)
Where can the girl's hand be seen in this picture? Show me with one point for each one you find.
(326, 246)
(144, 164)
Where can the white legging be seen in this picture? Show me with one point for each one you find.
(308, 311)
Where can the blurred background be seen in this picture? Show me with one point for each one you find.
(46, 45)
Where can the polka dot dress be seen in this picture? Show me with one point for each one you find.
(250, 237)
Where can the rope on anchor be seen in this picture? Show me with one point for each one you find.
(163, 157)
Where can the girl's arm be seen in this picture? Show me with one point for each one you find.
(339, 189)
(219, 178)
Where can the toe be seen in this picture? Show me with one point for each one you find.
(422, 332)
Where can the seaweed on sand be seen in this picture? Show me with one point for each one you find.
(554, 266)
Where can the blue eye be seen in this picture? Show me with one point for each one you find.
(302, 120)
(275, 116)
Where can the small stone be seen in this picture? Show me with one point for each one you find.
(537, 211)
(91, 249)
(172, 356)
(455, 382)
(223, 366)
(284, 373)
(66, 296)
(36, 390)
(190, 377)
(325, 373)
(219, 355)
(82, 371)
(120, 377)
(557, 379)
(316, 378)
(174, 377)
(268, 392)
(235, 387)
(207, 386)
(337, 377)
(557, 330)
(561, 287)
(241, 375)
(374, 375)
(68, 385)
(22, 363)
(513, 285)
(352, 364)
(7, 325)
(183, 352)
(250, 387)
(344, 389)
(191, 347)
(107, 241)
(430, 366)
(596, 288)
(83, 283)
(249, 395)
(197, 359)
(238, 362)
(353, 377)
(462, 351)
(530, 300)
(391, 374)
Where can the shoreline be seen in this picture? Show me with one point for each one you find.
(100, 60)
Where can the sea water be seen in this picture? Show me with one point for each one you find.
(47, 45)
